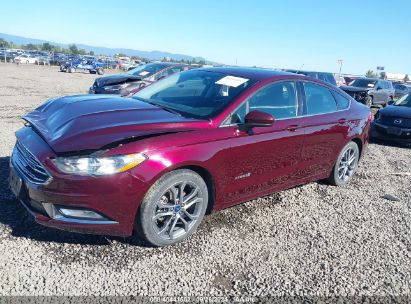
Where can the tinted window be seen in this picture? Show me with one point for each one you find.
(404, 101)
(322, 77)
(147, 70)
(382, 85)
(363, 83)
(400, 87)
(331, 79)
(318, 99)
(238, 116)
(278, 99)
(342, 102)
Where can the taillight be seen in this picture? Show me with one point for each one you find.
(370, 117)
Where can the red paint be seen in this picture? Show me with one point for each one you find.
(242, 165)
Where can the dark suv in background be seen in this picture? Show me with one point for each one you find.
(401, 90)
(139, 77)
(324, 76)
(370, 91)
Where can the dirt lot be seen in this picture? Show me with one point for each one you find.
(315, 240)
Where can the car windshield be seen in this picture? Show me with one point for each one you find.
(363, 83)
(404, 101)
(195, 93)
(147, 70)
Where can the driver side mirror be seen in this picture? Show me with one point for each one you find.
(379, 88)
(258, 119)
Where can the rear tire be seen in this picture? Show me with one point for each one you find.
(345, 166)
(100, 71)
(173, 208)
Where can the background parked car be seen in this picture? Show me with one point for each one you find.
(393, 123)
(8, 56)
(401, 90)
(89, 64)
(43, 60)
(25, 58)
(324, 76)
(346, 80)
(136, 78)
(370, 91)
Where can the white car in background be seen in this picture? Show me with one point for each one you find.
(25, 58)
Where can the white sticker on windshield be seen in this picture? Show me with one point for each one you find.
(371, 85)
(144, 73)
(232, 81)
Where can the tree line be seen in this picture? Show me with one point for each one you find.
(47, 47)
(73, 49)
(382, 75)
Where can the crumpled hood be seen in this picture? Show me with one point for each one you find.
(354, 89)
(115, 79)
(89, 122)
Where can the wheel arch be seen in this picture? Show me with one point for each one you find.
(359, 143)
(208, 179)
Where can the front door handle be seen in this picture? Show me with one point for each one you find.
(292, 128)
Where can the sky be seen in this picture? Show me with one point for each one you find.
(311, 34)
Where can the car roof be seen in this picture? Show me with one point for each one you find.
(167, 63)
(251, 73)
(305, 71)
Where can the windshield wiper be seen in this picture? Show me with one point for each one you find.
(160, 106)
(167, 109)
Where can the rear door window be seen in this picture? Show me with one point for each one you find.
(331, 79)
(342, 102)
(319, 99)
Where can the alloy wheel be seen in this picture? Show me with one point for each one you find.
(347, 165)
(178, 210)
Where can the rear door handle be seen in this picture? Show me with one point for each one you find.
(342, 121)
(292, 128)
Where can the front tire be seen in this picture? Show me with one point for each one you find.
(173, 208)
(345, 166)
(368, 101)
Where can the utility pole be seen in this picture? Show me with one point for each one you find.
(340, 62)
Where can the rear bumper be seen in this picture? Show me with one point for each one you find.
(115, 198)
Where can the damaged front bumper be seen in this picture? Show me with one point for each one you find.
(96, 205)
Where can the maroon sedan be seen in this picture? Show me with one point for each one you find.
(192, 143)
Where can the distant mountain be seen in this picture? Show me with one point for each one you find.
(153, 55)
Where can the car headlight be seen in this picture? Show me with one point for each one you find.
(98, 166)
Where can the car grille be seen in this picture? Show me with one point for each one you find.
(395, 121)
(28, 166)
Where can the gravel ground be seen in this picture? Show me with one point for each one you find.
(314, 240)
